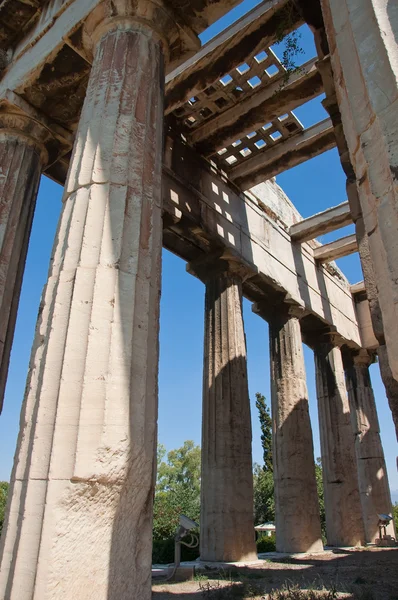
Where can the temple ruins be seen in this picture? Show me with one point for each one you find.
(159, 140)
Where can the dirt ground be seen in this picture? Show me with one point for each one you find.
(367, 574)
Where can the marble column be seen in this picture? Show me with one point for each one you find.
(80, 520)
(372, 473)
(297, 518)
(226, 523)
(344, 523)
(22, 158)
(362, 40)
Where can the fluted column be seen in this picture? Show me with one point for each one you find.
(344, 523)
(22, 157)
(297, 518)
(372, 473)
(363, 47)
(226, 523)
(80, 522)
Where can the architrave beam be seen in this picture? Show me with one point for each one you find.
(284, 155)
(252, 113)
(329, 220)
(253, 32)
(334, 250)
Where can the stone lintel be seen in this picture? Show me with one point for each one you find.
(285, 154)
(357, 288)
(329, 220)
(337, 249)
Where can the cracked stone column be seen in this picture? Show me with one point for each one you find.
(80, 520)
(344, 523)
(226, 523)
(22, 158)
(372, 473)
(362, 38)
(297, 519)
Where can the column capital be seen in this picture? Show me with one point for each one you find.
(217, 264)
(363, 358)
(151, 17)
(17, 124)
(281, 307)
(21, 120)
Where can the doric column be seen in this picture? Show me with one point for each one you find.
(297, 518)
(226, 523)
(80, 521)
(372, 473)
(22, 157)
(344, 523)
(362, 40)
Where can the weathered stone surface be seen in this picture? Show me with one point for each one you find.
(362, 37)
(372, 472)
(80, 519)
(328, 220)
(344, 524)
(297, 518)
(226, 523)
(21, 162)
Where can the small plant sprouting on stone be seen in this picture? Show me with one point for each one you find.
(291, 40)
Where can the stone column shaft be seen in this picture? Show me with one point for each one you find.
(297, 518)
(344, 523)
(372, 473)
(226, 525)
(80, 520)
(21, 162)
(363, 39)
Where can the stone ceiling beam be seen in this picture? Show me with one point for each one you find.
(284, 155)
(342, 247)
(329, 220)
(252, 33)
(252, 113)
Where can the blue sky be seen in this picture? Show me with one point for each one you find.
(313, 186)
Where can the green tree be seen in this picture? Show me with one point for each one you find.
(177, 488)
(395, 515)
(263, 492)
(266, 431)
(3, 500)
(319, 487)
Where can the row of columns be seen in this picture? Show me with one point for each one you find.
(354, 472)
(80, 512)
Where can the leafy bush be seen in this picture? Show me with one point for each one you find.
(3, 501)
(163, 552)
(266, 544)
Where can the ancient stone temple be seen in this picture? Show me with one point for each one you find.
(159, 140)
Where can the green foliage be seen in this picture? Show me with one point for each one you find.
(319, 485)
(266, 544)
(163, 552)
(395, 515)
(263, 491)
(177, 489)
(291, 40)
(266, 431)
(3, 500)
